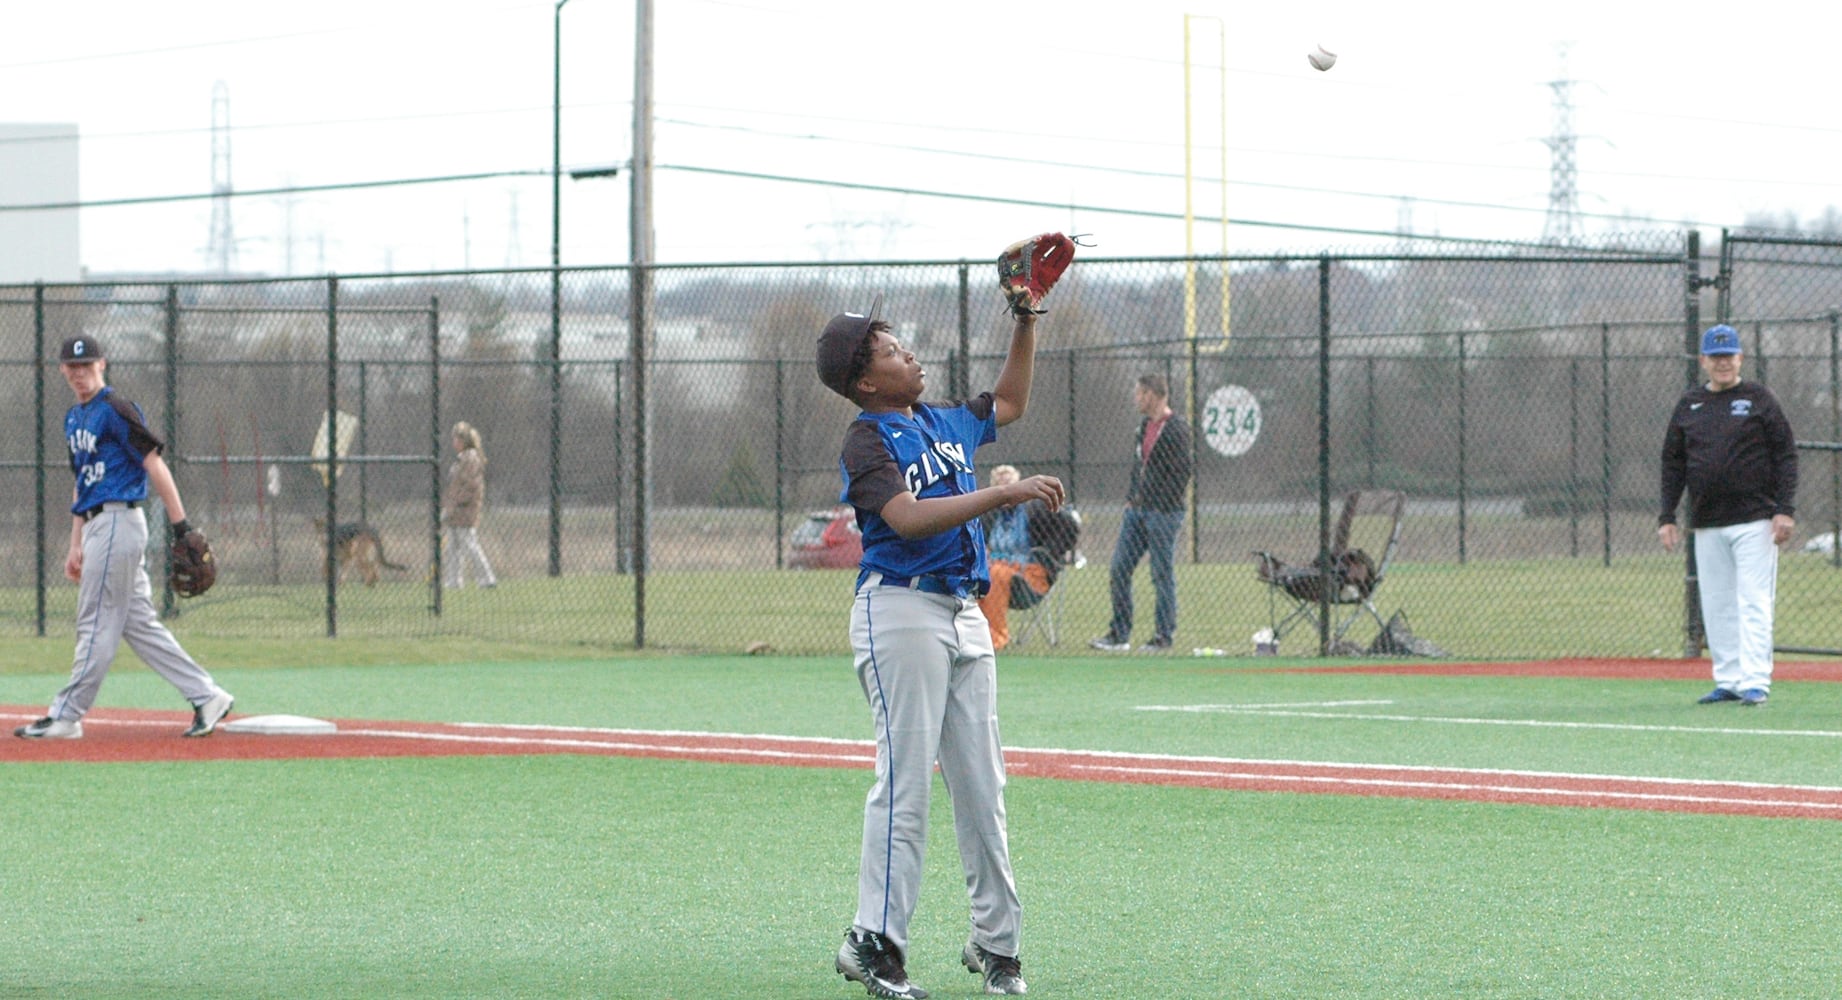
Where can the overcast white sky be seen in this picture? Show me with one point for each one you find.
(1435, 119)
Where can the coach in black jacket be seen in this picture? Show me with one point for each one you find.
(1730, 446)
(1154, 515)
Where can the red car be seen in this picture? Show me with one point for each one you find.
(826, 539)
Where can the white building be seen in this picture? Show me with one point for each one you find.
(38, 166)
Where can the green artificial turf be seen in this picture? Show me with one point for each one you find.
(578, 876)
(591, 877)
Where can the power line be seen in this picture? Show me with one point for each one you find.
(1058, 205)
(723, 172)
(1166, 175)
(271, 192)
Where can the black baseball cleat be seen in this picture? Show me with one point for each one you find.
(1717, 696)
(868, 958)
(205, 717)
(1003, 973)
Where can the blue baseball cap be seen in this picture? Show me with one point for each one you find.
(1721, 339)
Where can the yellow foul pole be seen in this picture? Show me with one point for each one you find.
(1189, 211)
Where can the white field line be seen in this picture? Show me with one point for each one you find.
(1260, 707)
(1582, 793)
(1284, 710)
(650, 747)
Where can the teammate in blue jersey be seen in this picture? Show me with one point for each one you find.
(115, 459)
(922, 647)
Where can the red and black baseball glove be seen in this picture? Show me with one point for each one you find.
(1027, 269)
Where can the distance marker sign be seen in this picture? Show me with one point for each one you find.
(1231, 420)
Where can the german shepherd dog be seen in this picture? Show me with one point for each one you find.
(357, 543)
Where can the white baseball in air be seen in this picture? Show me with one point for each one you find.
(1322, 58)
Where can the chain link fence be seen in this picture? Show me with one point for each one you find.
(1518, 399)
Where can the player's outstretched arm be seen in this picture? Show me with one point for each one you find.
(1012, 395)
(913, 518)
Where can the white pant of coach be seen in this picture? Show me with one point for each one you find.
(1737, 576)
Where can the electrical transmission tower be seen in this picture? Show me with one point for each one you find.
(1563, 223)
(222, 247)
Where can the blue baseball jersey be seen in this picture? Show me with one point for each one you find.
(929, 455)
(108, 440)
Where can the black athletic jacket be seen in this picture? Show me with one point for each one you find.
(1734, 452)
(1158, 482)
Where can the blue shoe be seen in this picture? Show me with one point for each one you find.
(1754, 697)
(1719, 695)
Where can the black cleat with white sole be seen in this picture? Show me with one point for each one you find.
(867, 957)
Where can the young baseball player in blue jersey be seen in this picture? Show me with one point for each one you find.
(115, 458)
(922, 647)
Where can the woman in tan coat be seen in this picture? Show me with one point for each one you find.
(466, 496)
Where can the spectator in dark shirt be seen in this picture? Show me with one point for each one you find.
(1731, 448)
(1153, 517)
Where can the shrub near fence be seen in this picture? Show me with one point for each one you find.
(1518, 399)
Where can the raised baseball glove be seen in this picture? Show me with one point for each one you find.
(192, 570)
(1027, 269)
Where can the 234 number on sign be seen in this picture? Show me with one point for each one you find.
(1231, 420)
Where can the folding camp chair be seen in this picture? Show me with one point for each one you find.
(1040, 614)
(1347, 577)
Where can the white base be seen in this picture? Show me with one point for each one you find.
(278, 725)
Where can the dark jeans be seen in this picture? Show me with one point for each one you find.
(1154, 532)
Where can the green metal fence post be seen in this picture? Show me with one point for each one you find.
(1325, 568)
(435, 454)
(1605, 444)
(1463, 485)
(332, 453)
(780, 462)
(364, 442)
(39, 486)
(1835, 434)
(169, 604)
(1573, 458)
(960, 373)
(1691, 334)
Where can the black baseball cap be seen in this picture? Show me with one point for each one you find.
(838, 347)
(81, 349)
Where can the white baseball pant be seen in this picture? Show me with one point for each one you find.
(1736, 570)
(115, 603)
(930, 677)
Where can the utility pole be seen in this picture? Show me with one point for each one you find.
(639, 284)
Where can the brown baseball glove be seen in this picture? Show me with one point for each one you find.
(192, 569)
(1027, 269)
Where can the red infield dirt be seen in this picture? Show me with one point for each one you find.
(123, 735)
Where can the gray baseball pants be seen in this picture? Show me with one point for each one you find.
(115, 603)
(930, 677)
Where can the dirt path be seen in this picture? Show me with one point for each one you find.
(117, 735)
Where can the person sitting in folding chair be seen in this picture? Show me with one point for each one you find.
(1349, 575)
(1020, 577)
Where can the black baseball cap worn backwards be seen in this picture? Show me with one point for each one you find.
(80, 349)
(838, 346)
